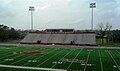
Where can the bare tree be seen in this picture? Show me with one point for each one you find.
(108, 31)
(104, 31)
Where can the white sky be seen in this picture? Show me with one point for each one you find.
(51, 14)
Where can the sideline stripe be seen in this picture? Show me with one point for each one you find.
(100, 61)
(32, 68)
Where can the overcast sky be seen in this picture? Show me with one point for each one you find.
(59, 13)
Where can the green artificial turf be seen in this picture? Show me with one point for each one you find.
(77, 59)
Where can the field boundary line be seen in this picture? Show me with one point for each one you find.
(114, 60)
(74, 58)
(32, 68)
(86, 61)
(100, 61)
(49, 58)
(62, 57)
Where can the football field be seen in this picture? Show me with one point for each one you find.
(34, 58)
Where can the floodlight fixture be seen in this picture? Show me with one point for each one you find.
(31, 8)
(92, 5)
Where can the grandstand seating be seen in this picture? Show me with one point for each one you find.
(60, 38)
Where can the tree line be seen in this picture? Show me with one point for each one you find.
(115, 36)
(7, 33)
(106, 35)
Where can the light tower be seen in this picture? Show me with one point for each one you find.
(31, 8)
(92, 5)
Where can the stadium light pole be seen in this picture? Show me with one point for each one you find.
(92, 5)
(31, 8)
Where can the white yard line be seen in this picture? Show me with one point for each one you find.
(40, 57)
(6, 56)
(86, 61)
(12, 58)
(74, 58)
(62, 58)
(9, 53)
(49, 58)
(100, 61)
(32, 68)
(118, 51)
(114, 61)
(22, 59)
